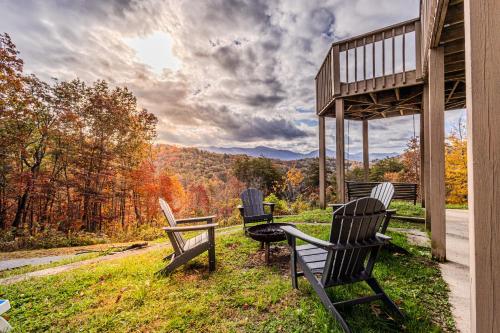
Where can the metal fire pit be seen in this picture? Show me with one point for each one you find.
(268, 233)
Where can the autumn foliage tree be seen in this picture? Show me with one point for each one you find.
(67, 151)
(293, 183)
(456, 167)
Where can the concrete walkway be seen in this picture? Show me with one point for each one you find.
(16, 263)
(456, 269)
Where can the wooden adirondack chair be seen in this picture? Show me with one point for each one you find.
(252, 209)
(185, 250)
(384, 192)
(348, 257)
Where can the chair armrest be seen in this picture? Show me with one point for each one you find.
(242, 210)
(191, 227)
(294, 232)
(383, 237)
(271, 205)
(335, 205)
(196, 219)
(391, 211)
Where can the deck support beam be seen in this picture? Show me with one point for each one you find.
(482, 66)
(340, 148)
(322, 163)
(436, 145)
(427, 157)
(422, 159)
(366, 155)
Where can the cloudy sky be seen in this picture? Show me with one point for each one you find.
(223, 73)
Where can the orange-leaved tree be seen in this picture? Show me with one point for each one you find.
(456, 167)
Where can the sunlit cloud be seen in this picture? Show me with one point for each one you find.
(155, 50)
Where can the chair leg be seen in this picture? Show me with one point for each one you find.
(325, 299)
(293, 268)
(293, 262)
(211, 250)
(170, 267)
(385, 224)
(170, 256)
(378, 290)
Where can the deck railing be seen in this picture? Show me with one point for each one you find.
(381, 58)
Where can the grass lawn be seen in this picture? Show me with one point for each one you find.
(242, 295)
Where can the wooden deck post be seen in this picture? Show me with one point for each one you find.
(340, 148)
(482, 66)
(436, 145)
(322, 163)
(366, 158)
(427, 160)
(422, 159)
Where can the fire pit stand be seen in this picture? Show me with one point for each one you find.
(268, 233)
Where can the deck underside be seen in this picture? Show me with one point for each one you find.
(401, 94)
(394, 101)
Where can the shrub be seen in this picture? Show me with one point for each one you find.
(281, 206)
(299, 205)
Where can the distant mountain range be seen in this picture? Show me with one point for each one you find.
(288, 155)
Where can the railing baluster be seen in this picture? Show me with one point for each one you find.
(364, 62)
(418, 50)
(393, 57)
(383, 58)
(347, 64)
(335, 65)
(355, 66)
(323, 85)
(373, 61)
(404, 54)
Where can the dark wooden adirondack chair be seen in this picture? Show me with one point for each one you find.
(384, 192)
(252, 209)
(185, 250)
(348, 257)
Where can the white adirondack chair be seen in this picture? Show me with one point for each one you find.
(4, 307)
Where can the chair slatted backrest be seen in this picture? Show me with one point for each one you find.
(354, 224)
(176, 238)
(253, 202)
(383, 192)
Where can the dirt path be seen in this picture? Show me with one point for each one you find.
(71, 266)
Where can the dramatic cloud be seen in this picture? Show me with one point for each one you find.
(236, 72)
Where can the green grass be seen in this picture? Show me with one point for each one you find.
(406, 208)
(457, 206)
(243, 295)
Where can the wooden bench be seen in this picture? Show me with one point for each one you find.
(402, 191)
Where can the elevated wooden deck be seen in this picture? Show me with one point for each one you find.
(382, 73)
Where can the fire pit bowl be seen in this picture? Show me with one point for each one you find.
(268, 233)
